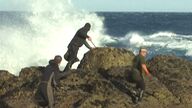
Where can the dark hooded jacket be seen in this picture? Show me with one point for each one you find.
(80, 37)
(50, 69)
(44, 94)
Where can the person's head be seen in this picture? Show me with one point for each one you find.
(57, 59)
(143, 51)
(87, 26)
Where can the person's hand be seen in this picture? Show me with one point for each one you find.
(89, 38)
(56, 88)
(55, 85)
(150, 77)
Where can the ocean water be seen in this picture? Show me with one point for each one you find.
(32, 38)
(161, 33)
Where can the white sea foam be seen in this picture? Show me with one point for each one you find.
(160, 40)
(53, 24)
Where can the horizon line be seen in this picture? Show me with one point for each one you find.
(113, 11)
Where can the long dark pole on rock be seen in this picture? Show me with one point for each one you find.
(93, 43)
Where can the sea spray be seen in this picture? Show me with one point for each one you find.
(52, 25)
(158, 43)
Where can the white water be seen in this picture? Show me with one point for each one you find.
(53, 24)
(159, 40)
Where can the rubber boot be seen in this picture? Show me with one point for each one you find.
(68, 66)
(134, 96)
(141, 95)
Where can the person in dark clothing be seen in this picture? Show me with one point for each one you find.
(78, 40)
(139, 65)
(48, 82)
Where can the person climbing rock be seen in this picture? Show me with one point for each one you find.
(139, 66)
(78, 40)
(45, 89)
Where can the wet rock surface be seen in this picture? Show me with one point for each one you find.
(102, 81)
(106, 58)
(175, 73)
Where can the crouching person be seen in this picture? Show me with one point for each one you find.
(44, 95)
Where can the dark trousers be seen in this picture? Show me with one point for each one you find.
(71, 56)
(46, 92)
(137, 77)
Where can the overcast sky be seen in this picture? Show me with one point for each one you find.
(112, 5)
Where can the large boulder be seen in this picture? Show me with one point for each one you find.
(106, 58)
(19, 90)
(88, 89)
(6, 81)
(175, 73)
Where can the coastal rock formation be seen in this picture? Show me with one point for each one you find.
(106, 58)
(175, 73)
(102, 81)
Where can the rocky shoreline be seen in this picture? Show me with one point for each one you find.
(101, 81)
